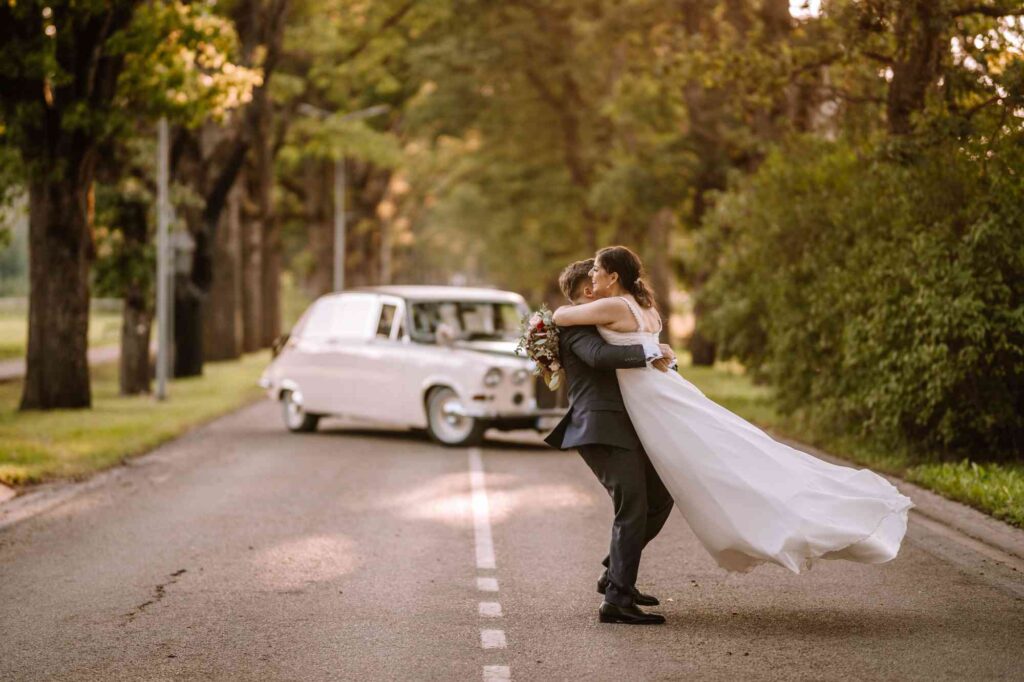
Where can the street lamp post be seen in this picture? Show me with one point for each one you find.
(339, 185)
(339, 224)
(164, 279)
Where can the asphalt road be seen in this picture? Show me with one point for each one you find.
(245, 552)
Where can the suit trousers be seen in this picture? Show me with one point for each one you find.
(642, 505)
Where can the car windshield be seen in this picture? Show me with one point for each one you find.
(467, 320)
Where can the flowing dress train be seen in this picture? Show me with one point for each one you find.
(748, 498)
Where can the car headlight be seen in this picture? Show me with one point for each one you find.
(520, 376)
(493, 377)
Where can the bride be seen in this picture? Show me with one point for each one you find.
(748, 498)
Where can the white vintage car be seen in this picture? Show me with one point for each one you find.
(439, 358)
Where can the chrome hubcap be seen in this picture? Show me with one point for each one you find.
(448, 416)
(293, 411)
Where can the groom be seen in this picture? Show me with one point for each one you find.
(599, 428)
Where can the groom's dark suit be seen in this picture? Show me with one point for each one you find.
(598, 426)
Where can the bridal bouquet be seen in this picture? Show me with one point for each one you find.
(539, 341)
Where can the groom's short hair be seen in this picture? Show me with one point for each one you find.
(573, 276)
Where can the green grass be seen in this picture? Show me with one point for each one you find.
(728, 386)
(39, 446)
(104, 330)
(996, 488)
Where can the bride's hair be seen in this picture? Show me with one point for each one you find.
(629, 268)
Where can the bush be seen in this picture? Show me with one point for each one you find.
(881, 296)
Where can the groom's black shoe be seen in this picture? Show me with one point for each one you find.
(639, 597)
(631, 615)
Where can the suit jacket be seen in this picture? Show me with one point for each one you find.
(596, 413)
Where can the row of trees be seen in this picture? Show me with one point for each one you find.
(83, 85)
(836, 185)
(875, 275)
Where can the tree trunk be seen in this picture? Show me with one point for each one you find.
(252, 265)
(260, 175)
(60, 251)
(367, 188)
(222, 313)
(317, 212)
(271, 281)
(702, 349)
(260, 27)
(192, 290)
(137, 315)
(136, 323)
(658, 267)
(921, 27)
(268, 275)
(188, 329)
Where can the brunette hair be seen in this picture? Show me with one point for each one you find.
(629, 268)
(573, 275)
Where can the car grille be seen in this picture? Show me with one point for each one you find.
(548, 399)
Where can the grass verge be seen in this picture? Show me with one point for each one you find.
(39, 446)
(996, 488)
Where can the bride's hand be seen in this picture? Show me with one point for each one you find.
(661, 364)
(666, 351)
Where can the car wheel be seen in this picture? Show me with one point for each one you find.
(447, 422)
(295, 416)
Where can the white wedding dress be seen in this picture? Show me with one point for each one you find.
(748, 498)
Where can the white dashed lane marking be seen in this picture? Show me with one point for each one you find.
(496, 673)
(493, 639)
(481, 512)
(489, 638)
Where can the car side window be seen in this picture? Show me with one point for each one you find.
(387, 318)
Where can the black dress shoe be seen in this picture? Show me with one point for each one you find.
(639, 597)
(631, 615)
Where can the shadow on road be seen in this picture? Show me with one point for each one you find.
(824, 624)
(494, 440)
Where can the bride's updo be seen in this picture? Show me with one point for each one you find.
(627, 265)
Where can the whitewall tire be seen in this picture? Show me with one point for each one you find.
(447, 422)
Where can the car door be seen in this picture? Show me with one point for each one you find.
(335, 337)
(391, 392)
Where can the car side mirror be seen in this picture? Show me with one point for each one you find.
(278, 344)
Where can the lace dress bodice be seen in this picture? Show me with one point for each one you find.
(640, 336)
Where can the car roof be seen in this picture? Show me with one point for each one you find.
(419, 292)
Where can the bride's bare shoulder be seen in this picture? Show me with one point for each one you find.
(649, 316)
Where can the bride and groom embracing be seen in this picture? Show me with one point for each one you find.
(653, 439)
